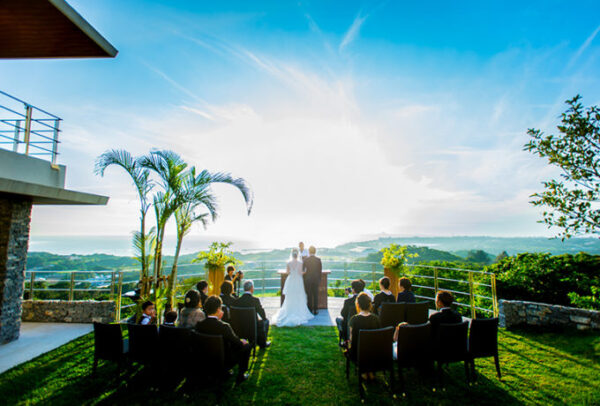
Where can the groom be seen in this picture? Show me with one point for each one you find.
(312, 279)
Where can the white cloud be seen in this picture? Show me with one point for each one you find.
(353, 31)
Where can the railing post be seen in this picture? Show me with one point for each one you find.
(112, 285)
(345, 271)
(435, 281)
(31, 283)
(71, 285)
(494, 295)
(471, 296)
(263, 278)
(373, 276)
(17, 138)
(118, 298)
(55, 143)
(28, 113)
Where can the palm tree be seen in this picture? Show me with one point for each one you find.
(198, 195)
(143, 184)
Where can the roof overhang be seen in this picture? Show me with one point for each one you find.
(41, 194)
(48, 29)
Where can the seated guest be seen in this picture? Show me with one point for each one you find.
(262, 326)
(237, 351)
(405, 294)
(385, 296)
(234, 278)
(191, 313)
(367, 291)
(363, 320)
(445, 313)
(148, 313)
(227, 298)
(348, 310)
(170, 318)
(202, 287)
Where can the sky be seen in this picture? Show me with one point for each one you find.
(348, 119)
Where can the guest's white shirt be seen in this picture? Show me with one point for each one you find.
(145, 319)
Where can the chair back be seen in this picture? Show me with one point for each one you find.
(108, 341)
(451, 342)
(143, 342)
(392, 314)
(414, 344)
(174, 347)
(208, 355)
(483, 338)
(417, 313)
(243, 322)
(375, 349)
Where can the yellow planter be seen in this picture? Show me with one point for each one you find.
(216, 276)
(393, 280)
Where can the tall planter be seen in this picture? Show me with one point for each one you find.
(216, 276)
(394, 278)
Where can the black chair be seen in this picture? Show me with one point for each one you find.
(375, 353)
(392, 314)
(417, 313)
(208, 360)
(170, 339)
(451, 346)
(109, 344)
(143, 343)
(483, 342)
(414, 350)
(243, 321)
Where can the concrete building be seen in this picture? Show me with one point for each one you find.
(29, 137)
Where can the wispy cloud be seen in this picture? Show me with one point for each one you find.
(583, 47)
(353, 31)
(174, 83)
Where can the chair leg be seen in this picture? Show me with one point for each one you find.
(440, 374)
(94, 366)
(497, 361)
(392, 381)
(467, 376)
(401, 380)
(361, 390)
(473, 371)
(347, 367)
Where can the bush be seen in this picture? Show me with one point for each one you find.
(569, 280)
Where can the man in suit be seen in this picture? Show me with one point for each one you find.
(202, 287)
(445, 314)
(237, 350)
(312, 279)
(348, 310)
(262, 324)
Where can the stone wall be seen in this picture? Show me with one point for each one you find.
(514, 313)
(15, 216)
(63, 311)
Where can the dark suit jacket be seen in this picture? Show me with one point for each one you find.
(406, 297)
(203, 297)
(349, 308)
(228, 300)
(217, 327)
(445, 316)
(247, 300)
(313, 268)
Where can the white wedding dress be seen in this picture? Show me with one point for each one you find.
(294, 311)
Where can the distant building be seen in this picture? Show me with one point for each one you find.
(29, 137)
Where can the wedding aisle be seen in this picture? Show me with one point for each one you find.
(326, 317)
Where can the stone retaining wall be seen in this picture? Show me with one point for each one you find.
(63, 311)
(515, 313)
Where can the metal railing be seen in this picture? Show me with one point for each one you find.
(474, 290)
(27, 129)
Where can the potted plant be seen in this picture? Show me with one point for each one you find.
(215, 259)
(394, 258)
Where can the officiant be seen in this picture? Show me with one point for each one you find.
(302, 252)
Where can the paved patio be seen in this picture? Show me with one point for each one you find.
(37, 339)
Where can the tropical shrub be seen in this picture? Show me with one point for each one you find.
(568, 280)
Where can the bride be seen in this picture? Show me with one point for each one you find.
(294, 310)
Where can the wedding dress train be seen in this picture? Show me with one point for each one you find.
(294, 311)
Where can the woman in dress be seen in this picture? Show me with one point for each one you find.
(385, 296)
(294, 310)
(191, 313)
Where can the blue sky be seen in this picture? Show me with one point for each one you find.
(348, 118)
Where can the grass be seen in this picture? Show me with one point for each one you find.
(304, 366)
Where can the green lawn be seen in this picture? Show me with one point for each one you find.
(304, 366)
